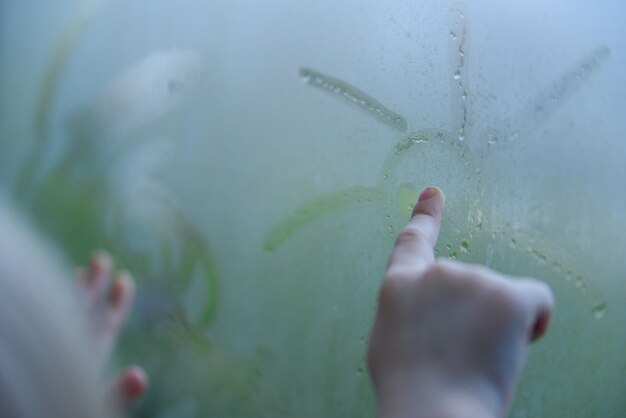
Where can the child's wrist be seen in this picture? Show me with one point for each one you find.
(453, 406)
(434, 398)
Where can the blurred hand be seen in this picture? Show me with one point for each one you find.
(108, 299)
(449, 339)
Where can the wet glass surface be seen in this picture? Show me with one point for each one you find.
(251, 162)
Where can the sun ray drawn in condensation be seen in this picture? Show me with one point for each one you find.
(355, 97)
(552, 97)
(318, 208)
(460, 79)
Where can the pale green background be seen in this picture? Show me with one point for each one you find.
(257, 210)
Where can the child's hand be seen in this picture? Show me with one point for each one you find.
(449, 339)
(108, 301)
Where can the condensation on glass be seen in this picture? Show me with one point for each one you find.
(252, 162)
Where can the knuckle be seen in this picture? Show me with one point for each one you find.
(506, 303)
(400, 272)
(392, 289)
(410, 234)
(438, 269)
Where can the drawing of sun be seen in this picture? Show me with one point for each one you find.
(394, 196)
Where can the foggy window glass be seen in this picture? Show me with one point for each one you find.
(252, 162)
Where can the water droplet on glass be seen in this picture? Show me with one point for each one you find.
(461, 134)
(599, 310)
(556, 267)
(453, 35)
(464, 247)
(457, 75)
(580, 283)
(418, 139)
(406, 197)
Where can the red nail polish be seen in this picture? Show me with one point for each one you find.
(133, 386)
(427, 193)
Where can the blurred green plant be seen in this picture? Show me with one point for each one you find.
(106, 190)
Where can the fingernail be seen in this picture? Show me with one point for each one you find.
(123, 286)
(100, 261)
(427, 193)
(133, 385)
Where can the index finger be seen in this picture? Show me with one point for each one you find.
(414, 248)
